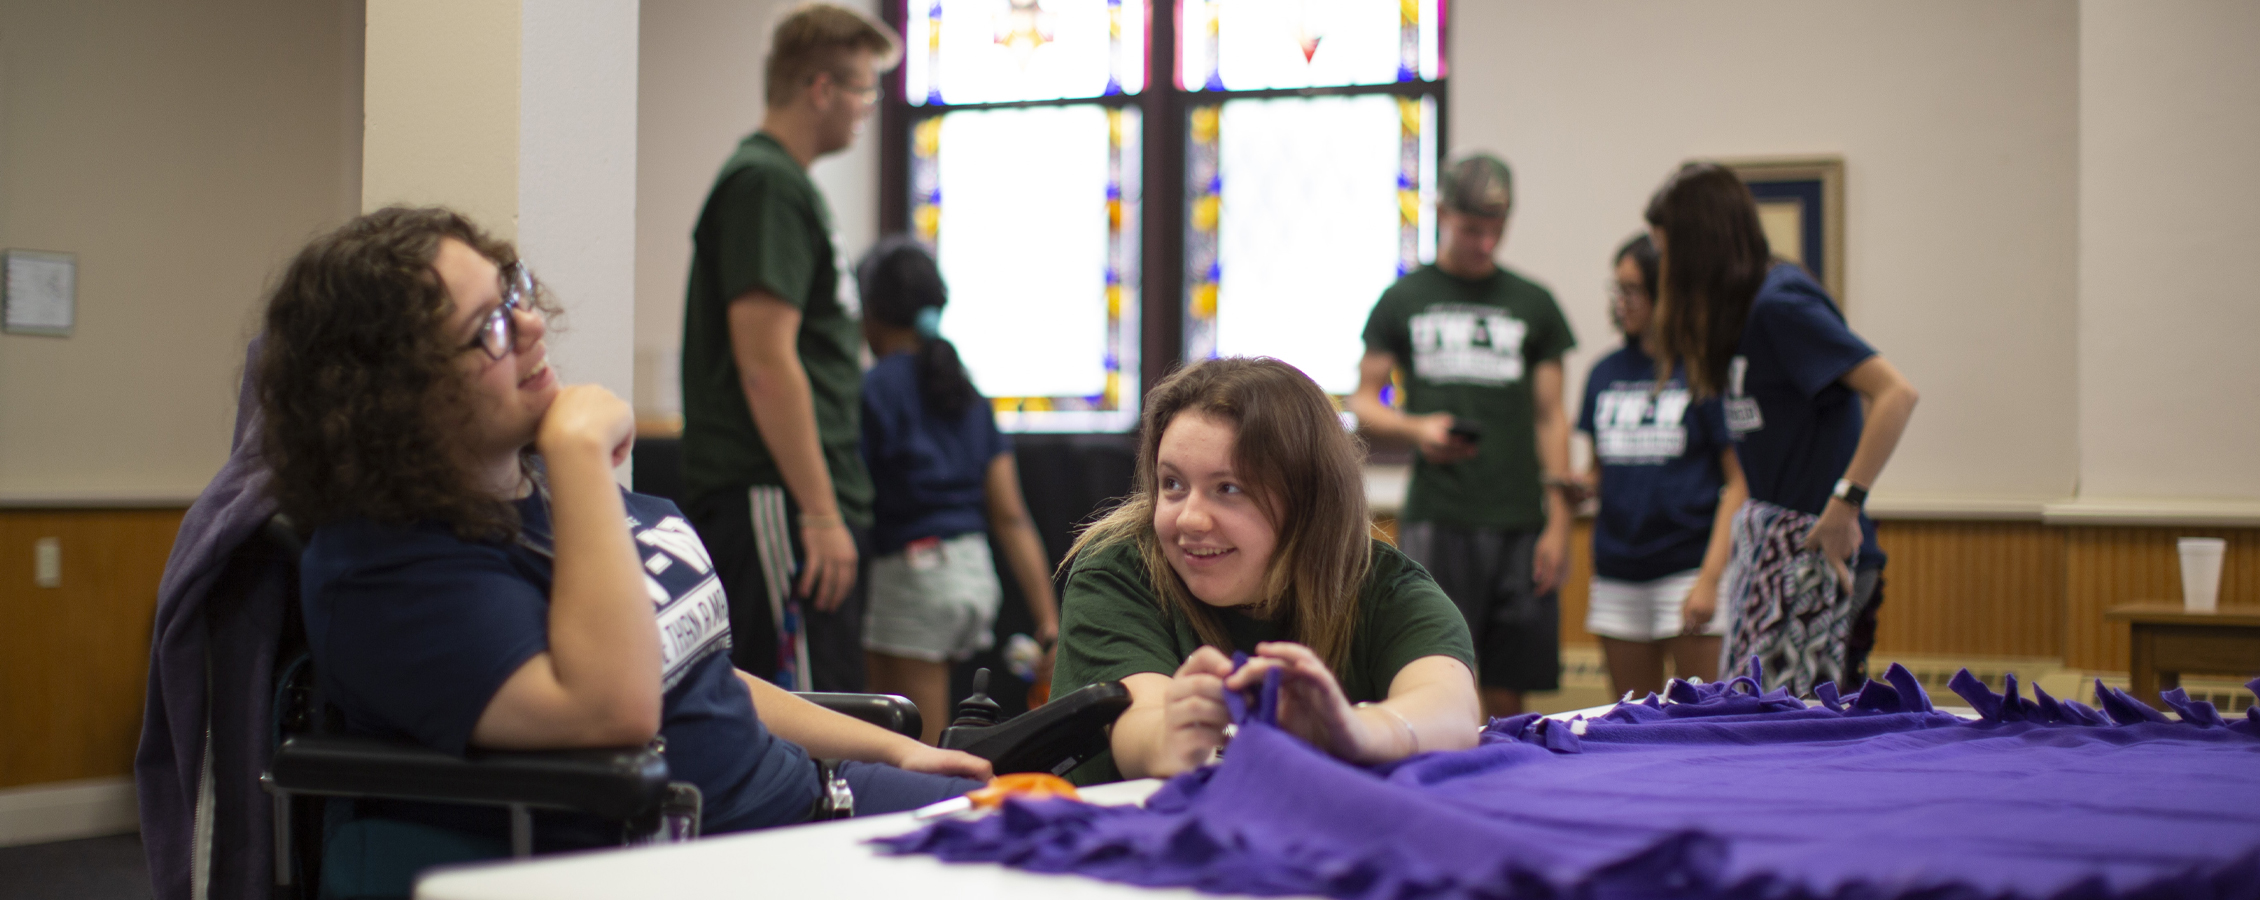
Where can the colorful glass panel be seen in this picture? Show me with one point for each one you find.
(1033, 214)
(1001, 51)
(1240, 45)
(1301, 211)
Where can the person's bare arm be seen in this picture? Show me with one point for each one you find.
(1890, 403)
(1023, 547)
(1432, 433)
(1551, 421)
(1437, 695)
(829, 735)
(1703, 599)
(598, 683)
(764, 338)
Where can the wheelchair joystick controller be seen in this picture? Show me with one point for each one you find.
(977, 710)
(1054, 737)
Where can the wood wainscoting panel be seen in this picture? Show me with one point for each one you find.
(2109, 565)
(1975, 589)
(74, 659)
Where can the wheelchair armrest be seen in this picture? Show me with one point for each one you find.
(611, 783)
(1055, 737)
(893, 712)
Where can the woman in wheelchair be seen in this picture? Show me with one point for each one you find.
(475, 578)
(1247, 531)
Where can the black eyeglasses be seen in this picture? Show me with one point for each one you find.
(499, 332)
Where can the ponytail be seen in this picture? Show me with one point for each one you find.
(941, 378)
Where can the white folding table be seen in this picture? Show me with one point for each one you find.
(829, 859)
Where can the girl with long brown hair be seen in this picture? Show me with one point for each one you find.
(1762, 335)
(1247, 531)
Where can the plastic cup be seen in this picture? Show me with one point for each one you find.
(2201, 573)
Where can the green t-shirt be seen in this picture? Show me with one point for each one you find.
(765, 227)
(1113, 625)
(1467, 348)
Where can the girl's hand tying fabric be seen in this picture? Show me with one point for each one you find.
(1193, 715)
(1312, 706)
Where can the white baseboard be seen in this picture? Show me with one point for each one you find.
(62, 811)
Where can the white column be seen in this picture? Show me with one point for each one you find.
(576, 179)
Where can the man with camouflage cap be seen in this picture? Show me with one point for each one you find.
(1476, 352)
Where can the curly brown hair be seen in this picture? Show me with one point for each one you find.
(363, 404)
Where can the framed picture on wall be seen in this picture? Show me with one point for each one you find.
(1801, 206)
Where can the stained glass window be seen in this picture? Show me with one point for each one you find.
(1304, 210)
(1241, 45)
(1002, 51)
(1310, 138)
(1033, 215)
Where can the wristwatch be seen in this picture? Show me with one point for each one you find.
(1850, 493)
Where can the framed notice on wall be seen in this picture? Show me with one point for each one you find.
(1801, 206)
(39, 292)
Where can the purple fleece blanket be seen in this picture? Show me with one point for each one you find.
(1721, 793)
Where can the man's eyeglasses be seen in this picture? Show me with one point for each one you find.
(499, 332)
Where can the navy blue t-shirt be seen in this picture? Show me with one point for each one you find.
(929, 473)
(1795, 425)
(413, 630)
(1659, 456)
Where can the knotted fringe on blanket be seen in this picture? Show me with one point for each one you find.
(1726, 790)
(1790, 611)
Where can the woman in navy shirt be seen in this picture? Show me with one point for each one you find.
(943, 477)
(475, 578)
(1765, 338)
(1669, 485)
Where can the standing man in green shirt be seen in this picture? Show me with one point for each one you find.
(771, 372)
(1488, 513)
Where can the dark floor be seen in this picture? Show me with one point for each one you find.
(103, 868)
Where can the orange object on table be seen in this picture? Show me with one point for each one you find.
(1030, 785)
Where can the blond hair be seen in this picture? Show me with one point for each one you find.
(816, 38)
(1304, 472)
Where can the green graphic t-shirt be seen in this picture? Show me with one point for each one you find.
(765, 227)
(1112, 625)
(1467, 347)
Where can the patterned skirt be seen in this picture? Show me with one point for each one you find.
(1789, 609)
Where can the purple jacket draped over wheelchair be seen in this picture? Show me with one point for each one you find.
(219, 617)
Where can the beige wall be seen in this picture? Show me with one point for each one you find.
(1959, 126)
(700, 93)
(442, 101)
(182, 151)
(2169, 195)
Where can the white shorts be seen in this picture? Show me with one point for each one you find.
(1644, 610)
(933, 602)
